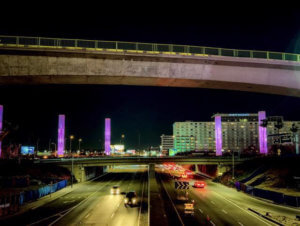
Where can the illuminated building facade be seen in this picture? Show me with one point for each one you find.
(234, 132)
(167, 142)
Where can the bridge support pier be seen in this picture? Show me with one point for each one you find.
(196, 168)
(222, 169)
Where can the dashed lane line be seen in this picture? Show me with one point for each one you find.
(241, 208)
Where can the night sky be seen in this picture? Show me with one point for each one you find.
(149, 111)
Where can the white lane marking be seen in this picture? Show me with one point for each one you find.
(200, 210)
(213, 202)
(33, 208)
(240, 223)
(224, 211)
(69, 201)
(81, 202)
(112, 215)
(87, 216)
(241, 208)
(212, 223)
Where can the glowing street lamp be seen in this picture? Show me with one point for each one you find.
(79, 141)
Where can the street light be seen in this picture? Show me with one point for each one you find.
(71, 138)
(54, 146)
(232, 154)
(79, 141)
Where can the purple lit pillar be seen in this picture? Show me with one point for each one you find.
(262, 132)
(107, 136)
(61, 135)
(218, 135)
(1, 117)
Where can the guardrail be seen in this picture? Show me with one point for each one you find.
(154, 48)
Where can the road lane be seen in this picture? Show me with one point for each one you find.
(53, 209)
(107, 209)
(211, 205)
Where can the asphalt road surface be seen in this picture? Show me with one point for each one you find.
(92, 204)
(218, 205)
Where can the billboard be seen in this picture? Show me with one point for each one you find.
(27, 150)
(117, 149)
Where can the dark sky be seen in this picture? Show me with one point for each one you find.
(149, 111)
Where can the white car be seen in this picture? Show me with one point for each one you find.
(115, 190)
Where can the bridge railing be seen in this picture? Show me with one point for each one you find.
(21, 41)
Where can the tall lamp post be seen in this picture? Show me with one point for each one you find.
(79, 141)
(294, 130)
(232, 154)
(54, 147)
(71, 138)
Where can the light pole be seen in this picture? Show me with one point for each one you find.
(71, 138)
(232, 154)
(54, 147)
(294, 130)
(79, 141)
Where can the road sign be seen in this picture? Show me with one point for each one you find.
(181, 185)
(283, 139)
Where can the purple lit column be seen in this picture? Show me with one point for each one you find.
(61, 135)
(1, 117)
(218, 135)
(262, 132)
(107, 136)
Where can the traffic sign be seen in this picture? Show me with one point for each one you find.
(181, 185)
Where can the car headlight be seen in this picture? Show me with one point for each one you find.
(126, 200)
(111, 191)
(118, 191)
(133, 201)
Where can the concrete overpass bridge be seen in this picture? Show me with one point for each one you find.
(35, 60)
(80, 165)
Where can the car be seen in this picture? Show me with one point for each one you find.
(199, 184)
(131, 199)
(115, 190)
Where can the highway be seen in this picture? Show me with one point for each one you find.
(92, 203)
(218, 205)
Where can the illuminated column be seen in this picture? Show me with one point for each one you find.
(107, 136)
(61, 135)
(262, 132)
(218, 135)
(1, 117)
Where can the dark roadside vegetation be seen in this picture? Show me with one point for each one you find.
(17, 176)
(274, 173)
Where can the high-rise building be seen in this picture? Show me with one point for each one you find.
(227, 132)
(189, 136)
(167, 142)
